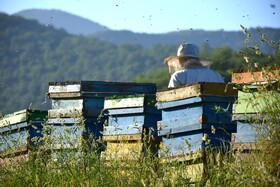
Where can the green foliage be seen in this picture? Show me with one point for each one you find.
(31, 55)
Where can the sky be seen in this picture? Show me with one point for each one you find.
(162, 16)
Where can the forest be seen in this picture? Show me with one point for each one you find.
(32, 55)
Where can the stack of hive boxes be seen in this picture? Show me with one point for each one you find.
(194, 117)
(131, 128)
(258, 90)
(17, 131)
(77, 107)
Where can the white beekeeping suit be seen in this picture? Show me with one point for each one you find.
(193, 69)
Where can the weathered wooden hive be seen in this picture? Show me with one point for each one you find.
(258, 91)
(131, 127)
(78, 105)
(193, 117)
(17, 131)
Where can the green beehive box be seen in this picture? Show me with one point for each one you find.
(256, 98)
(23, 116)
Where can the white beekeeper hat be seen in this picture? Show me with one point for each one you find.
(188, 50)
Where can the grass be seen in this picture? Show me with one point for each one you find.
(84, 167)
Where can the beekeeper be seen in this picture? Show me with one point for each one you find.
(193, 69)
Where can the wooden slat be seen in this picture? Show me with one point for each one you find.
(23, 116)
(196, 89)
(101, 87)
(123, 130)
(137, 101)
(13, 140)
(255, 75)
(127, 150)
(128, 137)
(125, 111)
(73, 113)
(65, 88)
(12, 127)
(6, 121)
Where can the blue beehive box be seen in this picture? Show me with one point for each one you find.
(70, 132)
(86, 98)
(194, 117)
(131, 118)
(72, 100)
(250, 128)
(131, 114)
(18, 129)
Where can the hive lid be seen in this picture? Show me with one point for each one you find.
(196, 89)
(69, 89)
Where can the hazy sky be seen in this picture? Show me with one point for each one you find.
(160, 16)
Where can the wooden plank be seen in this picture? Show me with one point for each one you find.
(81, 128)
(14, 118)
(196, 89)
(168, 127)
(13, 127)
(129, 137)
(136, 101)
(127, 150)
(255, 75)
(247, 132)
(65, 88)
(101, 87)
(58, 121)
(65, 136)
(193, 141)
(13, 140)
(124, 111)
(67, 103)
(127, 101)
(197, 115)
(123, 130)
(177, 145)
(198, 101)
(65, 95)
(73, 113)
(83, 103)
(23, 116)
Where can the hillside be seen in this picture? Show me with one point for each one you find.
(78, 25)
(62, 20)
(232, 39)
(32, 55)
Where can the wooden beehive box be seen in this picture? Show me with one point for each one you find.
(258, 94)
(71, 133)
(86, 98)
(131, 119)
(17, 130)
(195, 116)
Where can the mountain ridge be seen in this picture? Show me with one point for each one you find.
(218, 38)
(73, 24)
